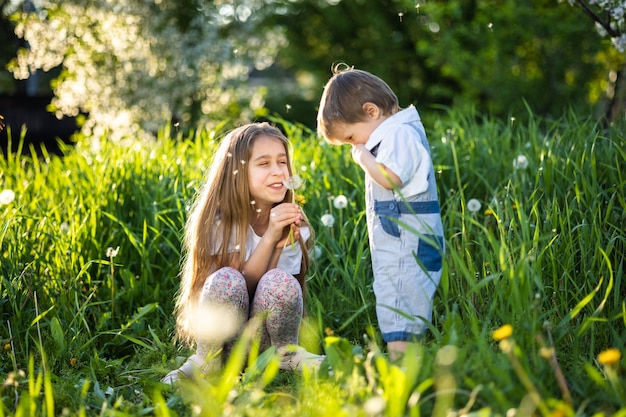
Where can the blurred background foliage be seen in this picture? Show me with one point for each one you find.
(494, 56)
(491, 54)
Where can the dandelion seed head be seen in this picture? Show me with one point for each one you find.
(328, 220)
(293, 183)
(317, 252)
(374, 406)
(340, 202)
(6, 197)
(112, 253)
(521, 162)
(473, 205)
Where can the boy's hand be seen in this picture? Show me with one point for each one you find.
(358, 152)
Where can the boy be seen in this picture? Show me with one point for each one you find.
(403, 215)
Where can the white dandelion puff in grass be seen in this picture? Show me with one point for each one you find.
(473, 205)
(340, 202)
(328, 220)
(112, 253)
(521, 162)
(6, 197)
(317, 252)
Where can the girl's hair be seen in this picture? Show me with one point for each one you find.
(344, 95)
(221, 213)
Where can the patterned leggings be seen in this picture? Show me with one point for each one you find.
(277, 299)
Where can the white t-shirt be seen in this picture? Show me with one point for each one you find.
(401, 150)
(290, 260)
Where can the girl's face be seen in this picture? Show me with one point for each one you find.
(268, 167)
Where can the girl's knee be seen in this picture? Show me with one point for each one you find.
(280, 285)
(224, 286)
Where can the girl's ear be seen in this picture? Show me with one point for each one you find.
(371, 109)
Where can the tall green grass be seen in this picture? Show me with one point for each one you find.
(86, 328)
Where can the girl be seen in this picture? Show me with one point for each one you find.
(239, 259)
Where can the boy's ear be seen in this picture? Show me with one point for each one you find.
(371, 110)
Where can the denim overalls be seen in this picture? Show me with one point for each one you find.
(407, 245)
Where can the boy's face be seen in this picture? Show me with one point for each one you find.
(358, 133)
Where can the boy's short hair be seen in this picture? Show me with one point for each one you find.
(344, 95)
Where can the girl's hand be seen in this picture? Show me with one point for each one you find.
(283, 217)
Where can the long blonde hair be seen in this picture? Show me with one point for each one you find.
(222, 208)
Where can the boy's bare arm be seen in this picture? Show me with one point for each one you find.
(379, 173)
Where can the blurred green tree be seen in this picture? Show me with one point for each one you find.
(132, 65)
(496, 55)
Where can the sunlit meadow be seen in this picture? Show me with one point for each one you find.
(529, 318)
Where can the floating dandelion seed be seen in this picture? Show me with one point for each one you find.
(340, 202)
(328, 220)
(473, 205)
(235, 172)
(490, 26)
(6, 197)
(242, 162)
(400, 15)
(287, 107)
(521, 162)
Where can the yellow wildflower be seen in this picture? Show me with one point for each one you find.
(609, 356)
(73, 362)
(488, 212)
(503, 332)
(299, 199)
(7, 346)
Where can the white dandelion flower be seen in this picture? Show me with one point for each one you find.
(521, 162)
(6, 197)
(473, 205)
(112, 253)
(317, 252)
(340, 202)
(328, 220)
(293, 183)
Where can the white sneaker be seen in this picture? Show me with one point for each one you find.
(194, 365)
(298, 359)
